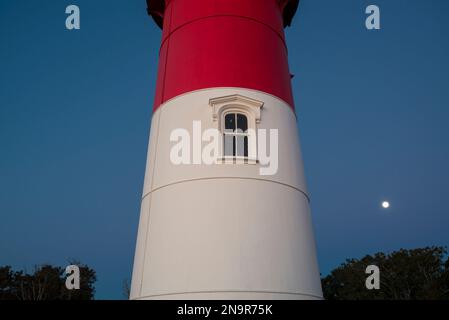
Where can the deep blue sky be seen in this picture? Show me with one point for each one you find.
(75, 108)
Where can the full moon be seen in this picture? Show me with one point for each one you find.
(385, 204)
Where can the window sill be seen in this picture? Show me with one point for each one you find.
(236, 160)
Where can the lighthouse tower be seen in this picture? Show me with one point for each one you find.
(238, 227)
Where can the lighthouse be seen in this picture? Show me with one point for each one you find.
(239, 226)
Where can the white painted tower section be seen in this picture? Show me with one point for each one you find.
(223, 231)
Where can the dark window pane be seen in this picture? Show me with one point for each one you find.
(240, 145)
(228, 145)
(246, 146)
(233, 145)
(242, 122)
(230, 121)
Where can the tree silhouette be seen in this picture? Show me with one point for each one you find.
(404, 275)
(45, 283)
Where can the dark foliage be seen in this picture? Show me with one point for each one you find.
(45, 283)
(404, 275)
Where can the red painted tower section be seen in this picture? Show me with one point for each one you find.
(223, 43)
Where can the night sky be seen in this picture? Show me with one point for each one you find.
(75, 110)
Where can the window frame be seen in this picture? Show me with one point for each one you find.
(248, 107)
(235, 134)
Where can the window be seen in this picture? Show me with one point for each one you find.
(237, 117)
(235, 135)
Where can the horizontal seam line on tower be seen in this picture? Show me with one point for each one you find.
(217, 16)
(213, 178)
(228, 291)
